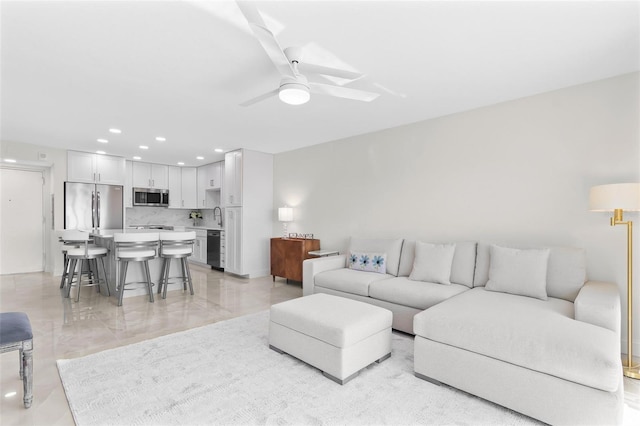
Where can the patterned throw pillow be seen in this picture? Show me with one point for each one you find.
(369, 262)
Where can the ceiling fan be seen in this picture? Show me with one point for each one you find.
(294, 87)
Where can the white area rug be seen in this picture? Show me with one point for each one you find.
(225, 373)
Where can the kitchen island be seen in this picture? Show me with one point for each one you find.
(104, 238)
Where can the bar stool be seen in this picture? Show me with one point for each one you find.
(66, 245)
(135, 247)
(176, 245)
(16, 334)
(88, 255)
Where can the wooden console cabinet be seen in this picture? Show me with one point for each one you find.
(288, 254)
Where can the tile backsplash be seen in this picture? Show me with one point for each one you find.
(165, 216)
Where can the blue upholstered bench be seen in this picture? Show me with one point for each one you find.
(16, 334)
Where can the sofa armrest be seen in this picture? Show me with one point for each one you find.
(598, 303)
(311, 267)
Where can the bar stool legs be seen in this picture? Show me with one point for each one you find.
(65, 271)
(93, 278)
(186, 276)
(123, 275)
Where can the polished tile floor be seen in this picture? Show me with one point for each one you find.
(65, 329)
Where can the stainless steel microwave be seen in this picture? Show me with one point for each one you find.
(151, 197)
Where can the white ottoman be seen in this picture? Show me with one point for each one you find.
(336, 335)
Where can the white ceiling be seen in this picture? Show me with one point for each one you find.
(179, 69)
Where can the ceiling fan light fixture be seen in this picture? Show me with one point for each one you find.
(294, 93)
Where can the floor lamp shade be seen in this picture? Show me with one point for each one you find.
(618, 198)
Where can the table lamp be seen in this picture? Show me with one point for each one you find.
(618, 198)
(285, 215)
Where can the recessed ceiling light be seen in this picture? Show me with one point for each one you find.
(100, 152)
(199, 157)
(160, 139)
(10, 394)
(9, 160)
(143, 147)
(137, 158)
(102, 140)
(118, 131)
(180, 163)
(218, 150)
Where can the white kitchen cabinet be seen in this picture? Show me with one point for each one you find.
(233, 175)
(209, 185)
(248, 228)
(128, 184)
(233, 241)
(199, 246)
(222, 249)
(189, 188)
(210, 175)
(95, 168)
(182, 187)
(175, 187)
(150, 175)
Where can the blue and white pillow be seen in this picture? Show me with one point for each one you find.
(369, 262)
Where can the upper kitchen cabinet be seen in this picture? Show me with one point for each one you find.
(189, 187)
(95, 168)
(128, 184)
(182, 187)
(209, 185)
(233, 178)
(149, 175)
(210, 175)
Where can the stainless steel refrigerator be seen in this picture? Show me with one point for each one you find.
(90, 206)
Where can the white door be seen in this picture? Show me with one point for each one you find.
(21, 221)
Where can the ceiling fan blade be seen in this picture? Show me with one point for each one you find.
(342, 92)
(266, 38)
(250, 11)
(260, 98)
(335, 72)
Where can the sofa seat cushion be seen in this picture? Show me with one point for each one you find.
(349, 280)
(415, 294)
(531, 333)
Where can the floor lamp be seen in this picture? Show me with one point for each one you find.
(618, 198)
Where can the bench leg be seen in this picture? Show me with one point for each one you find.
(428, 379)
(340, 381)
(387, 356)
(276, 349)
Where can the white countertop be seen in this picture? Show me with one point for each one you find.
(212, 228)
(108, 233)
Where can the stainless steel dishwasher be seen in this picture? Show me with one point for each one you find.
(213, 249)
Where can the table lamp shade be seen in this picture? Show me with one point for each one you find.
(285, 214)
(623, 196)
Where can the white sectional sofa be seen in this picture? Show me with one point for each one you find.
(546, 345)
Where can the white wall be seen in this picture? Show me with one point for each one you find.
(518, 172)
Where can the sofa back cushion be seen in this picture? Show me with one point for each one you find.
(390, 247)
(462, 269)
(566, 270)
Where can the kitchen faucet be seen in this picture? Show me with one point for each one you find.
(220, 214)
